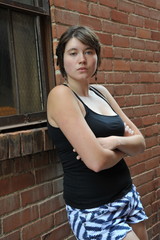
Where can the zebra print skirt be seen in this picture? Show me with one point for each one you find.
(108, 222)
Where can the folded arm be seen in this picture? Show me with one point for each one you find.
(64, 111)
(132, 142)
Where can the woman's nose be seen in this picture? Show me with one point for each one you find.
(82, 57)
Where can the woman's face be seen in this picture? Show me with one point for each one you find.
(80, 61)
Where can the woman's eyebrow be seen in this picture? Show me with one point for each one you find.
(74, 49)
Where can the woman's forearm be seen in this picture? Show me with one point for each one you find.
(130, 145)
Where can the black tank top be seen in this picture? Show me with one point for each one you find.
(84, 188)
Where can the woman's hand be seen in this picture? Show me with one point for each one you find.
(128, 131)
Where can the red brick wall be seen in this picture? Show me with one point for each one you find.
(130, 35)
(31, 202)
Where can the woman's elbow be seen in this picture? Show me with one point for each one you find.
(100, 165)
(140, 148)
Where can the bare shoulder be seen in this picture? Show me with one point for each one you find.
(59, 91)
(60, 99)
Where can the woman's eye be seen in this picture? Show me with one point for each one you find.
(73, 54)
(89, 52)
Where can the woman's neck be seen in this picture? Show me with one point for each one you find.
(81, 89)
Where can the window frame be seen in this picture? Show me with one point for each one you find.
(33, 120)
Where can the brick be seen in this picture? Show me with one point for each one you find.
(41, 159)
(126, 6)
(26, 143)
(15, 183)
(128, 30)
(38, 141)
(153, 46)
(149, 120)
(38, 227)
(60, 217)
(148, 199)
(107, 52)
(137, 169)
(106, 65)
(120, 17)
(142, 11)
(138, 55)
(152, 67)
(36, 194)
(57, 185)
(105, 38)
(121, 41)
(132, 100)
(51, 205)
(156, 57)
(110, 27)
(48, 173)
(114, 77)
(137, 43)
(4, 146)
(58, 3)
(153, 88)
(58, 233)
(22, 164)
(150, 131)
(150, 56)
(143, 33)
(48, 144)
(137, 66)
(151, 24)
(11, 236)
(121, 101)
(9, 204)
(148, 100)
(101, 76)
(122, 53)
(80, 6)
(20, 218)
(146, 188)
(68, 17)
(92, 22)
(121, 65)
(146, 77)
(141, 111)
(135, 20)
(151, 141)
(154, 109)
(156, 36)
(112, 4)
(143, 178)
(154, 14)
(152, 163)
(150, 3)
(14, 145)
(6, 167)
(131, 78)
(122, 90)
(100, 11)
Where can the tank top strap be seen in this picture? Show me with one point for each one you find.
(75, 95)
(98, 93)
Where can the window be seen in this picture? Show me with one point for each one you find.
(24, 31)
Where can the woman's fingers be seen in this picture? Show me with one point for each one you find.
(78, 157)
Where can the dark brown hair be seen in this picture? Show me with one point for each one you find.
(83, 34)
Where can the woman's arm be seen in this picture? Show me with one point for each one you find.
(65, 112)
(132, 142)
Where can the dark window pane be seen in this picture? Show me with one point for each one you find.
(27, 63)
(29, 2)
(7, 103)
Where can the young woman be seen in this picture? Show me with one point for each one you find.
(92, 135)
